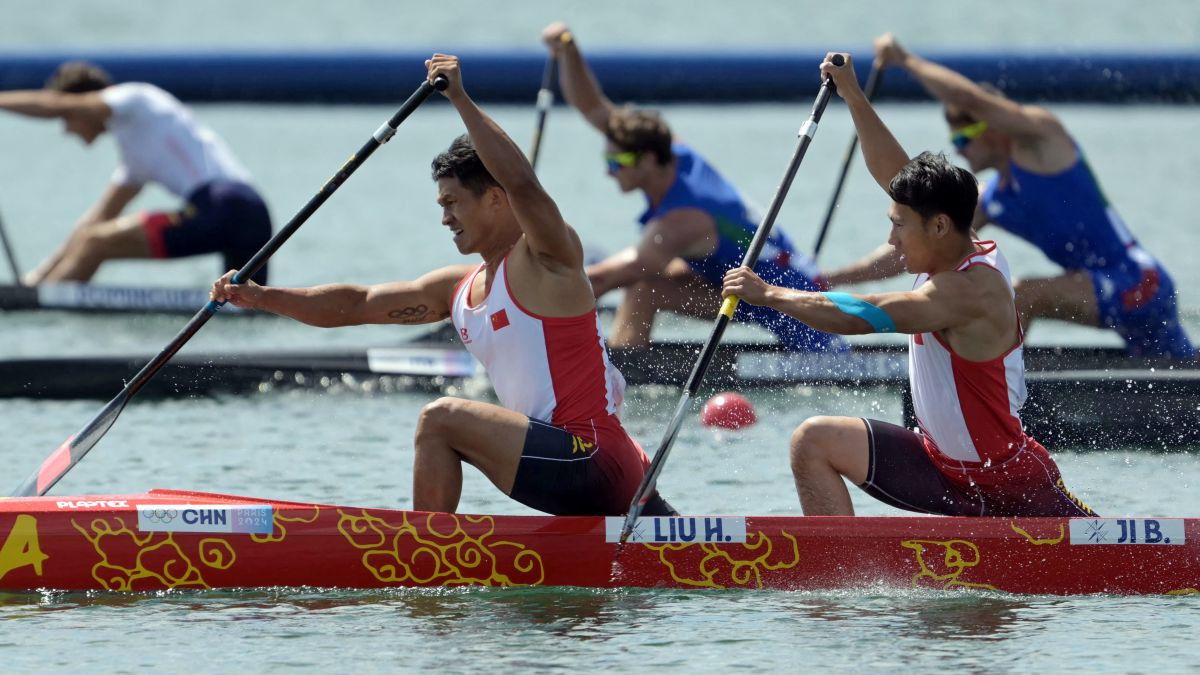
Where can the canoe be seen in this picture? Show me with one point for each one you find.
(173, 539)
(81, 297)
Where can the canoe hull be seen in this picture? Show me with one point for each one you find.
(169, 539)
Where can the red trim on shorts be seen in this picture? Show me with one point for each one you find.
(154, 224)
(1138, 296)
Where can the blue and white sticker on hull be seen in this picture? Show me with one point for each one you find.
(1141, 531)
(247, 519)
(678, 530)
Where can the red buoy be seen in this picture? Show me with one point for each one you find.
(728, 410)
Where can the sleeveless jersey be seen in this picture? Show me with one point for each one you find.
(1065, 215)
(552, 369)
(968, 410)
(698, 185)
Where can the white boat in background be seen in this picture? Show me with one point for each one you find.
(1092, 397)
(74, 296)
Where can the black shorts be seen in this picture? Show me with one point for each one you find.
(594, 471)
(901, 473)
(223, 217)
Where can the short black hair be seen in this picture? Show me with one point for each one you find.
(462, 162)
(78, 77)
(929, 184)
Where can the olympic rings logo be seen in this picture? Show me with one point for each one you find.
(160, 515)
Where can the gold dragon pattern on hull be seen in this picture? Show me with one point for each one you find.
(151, 559)
(129, 558)
(959, 555)
(440, 551)
(729, 565)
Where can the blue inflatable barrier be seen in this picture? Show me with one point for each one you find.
(644, 76)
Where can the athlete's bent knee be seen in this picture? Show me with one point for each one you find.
(810, 441)
(439, 415)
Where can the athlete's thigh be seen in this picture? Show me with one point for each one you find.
(122, 237)
(1069, 297)
(843, 443)
(487, 435)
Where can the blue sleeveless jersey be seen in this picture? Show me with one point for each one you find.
(1067, 216)
(699, 186)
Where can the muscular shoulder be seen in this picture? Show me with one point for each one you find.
(1044, 145)
(546, 286)
(440, 283)
(974, 292)
(566, 261)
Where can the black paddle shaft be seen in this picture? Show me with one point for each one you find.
(807, 131)
(8, 253)
(382, 135)
(545, 99)
(74, 448)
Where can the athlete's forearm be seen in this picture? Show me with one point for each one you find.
(614, 273)
(580, 87)
(504, 159)
(34, 103)
(883, 154)
(882, 263)
(326, 306)
(815, 310)
(942, 83)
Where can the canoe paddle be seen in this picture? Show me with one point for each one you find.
(74, 448)
(545, 99)
(806, 133)
(8, 253)
(872, 86)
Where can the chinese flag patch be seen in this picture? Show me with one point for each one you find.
(499, 320)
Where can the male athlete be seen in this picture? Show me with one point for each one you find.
(1044, 192)
(695, 228)
(159, 142)
(971, 455)
(527, 313)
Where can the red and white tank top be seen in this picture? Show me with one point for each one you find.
(968, 410)
(552, 369)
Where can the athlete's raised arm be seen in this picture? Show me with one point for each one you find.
(881, 151)
(47, 103)
(579, 85)
(547, 234)
(960, 93)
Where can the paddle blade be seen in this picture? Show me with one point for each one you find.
(71, 451)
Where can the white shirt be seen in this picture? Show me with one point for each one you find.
(552, 369)
(160, 142)
(969, 409)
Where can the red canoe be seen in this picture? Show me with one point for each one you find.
(176, 539)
